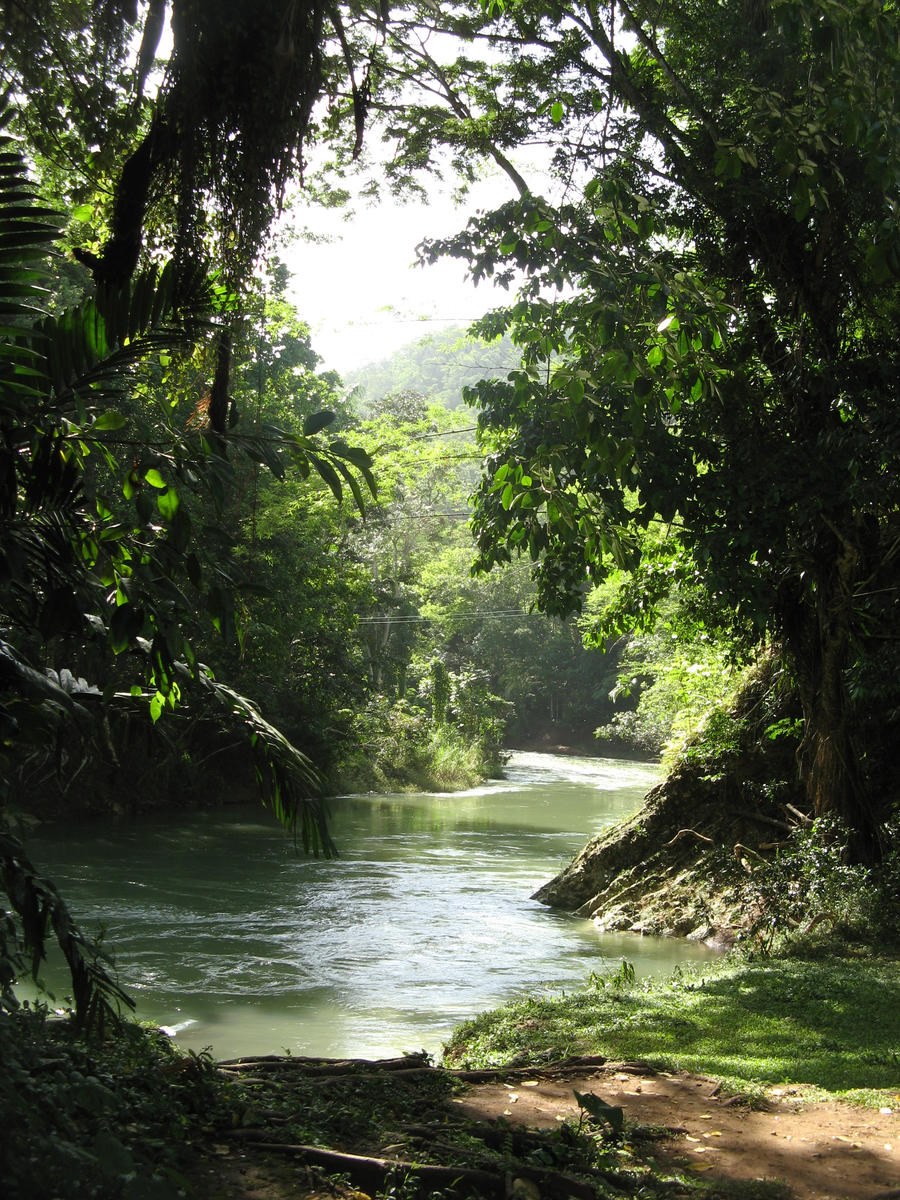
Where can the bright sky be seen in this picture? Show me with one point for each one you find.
(362, 294)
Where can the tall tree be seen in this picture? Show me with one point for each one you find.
(193, 168)
(709, 323)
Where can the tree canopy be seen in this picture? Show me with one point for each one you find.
(708, 325)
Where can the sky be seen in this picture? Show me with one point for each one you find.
(362, 294)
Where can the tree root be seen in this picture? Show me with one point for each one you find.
(323, 1066)
(685, 832)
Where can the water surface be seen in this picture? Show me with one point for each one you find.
(226, 935)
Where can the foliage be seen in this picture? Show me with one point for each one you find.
(37, 908)
(439, 366)
(84, 1119)
(676, 676)
(101, 561)
(558, 688)
(827, 1025)
(86, 578)
(190, 153)
(397, 746)
(810, 889)
(707, 323)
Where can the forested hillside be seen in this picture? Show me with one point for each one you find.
(440, 366)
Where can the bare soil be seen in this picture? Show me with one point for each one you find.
(819, 1150)
(822, 1151)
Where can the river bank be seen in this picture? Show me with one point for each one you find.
(141, 1119)
(775, 1050)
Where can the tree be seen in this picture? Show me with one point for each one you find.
(708, 323)
(101, 560)
(197, 148)
(558, 689)
(438, 366)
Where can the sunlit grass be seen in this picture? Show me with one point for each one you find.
(823, 1025)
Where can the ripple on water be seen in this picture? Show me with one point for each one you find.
(425, 920)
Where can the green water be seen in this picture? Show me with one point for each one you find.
(228, 937)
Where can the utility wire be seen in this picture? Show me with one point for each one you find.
(416, 619)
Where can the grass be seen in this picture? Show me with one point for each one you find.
(133, 1119)
(828, 1025)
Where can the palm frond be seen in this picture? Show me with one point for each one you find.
(39, 907)
(289, 782)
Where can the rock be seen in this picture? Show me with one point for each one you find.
(721, 939)
(701, 933)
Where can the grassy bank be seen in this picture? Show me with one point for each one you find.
(419, 759)
(830, 1024)
(133, 1119)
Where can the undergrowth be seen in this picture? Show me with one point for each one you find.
(108, 1120)
(415, 756)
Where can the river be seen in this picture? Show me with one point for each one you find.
(234, 941)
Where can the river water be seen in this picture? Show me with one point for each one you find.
(234, 941)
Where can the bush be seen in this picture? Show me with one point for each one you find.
(810, 889)
(87, 1119)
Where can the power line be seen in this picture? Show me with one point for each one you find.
(417, 618)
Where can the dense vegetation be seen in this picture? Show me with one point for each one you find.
(440, 366)
(217, 562)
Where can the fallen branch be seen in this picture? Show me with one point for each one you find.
(370, 1174)
(801, 816)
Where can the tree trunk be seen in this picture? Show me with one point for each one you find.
(820, 646)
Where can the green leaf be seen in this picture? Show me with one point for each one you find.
(108, 420)
(575, 390)
(316, 421)
(167, 502)
(154, 478)
(599, 1110)
(328, 474)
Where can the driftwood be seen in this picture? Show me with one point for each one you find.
(326, 1070)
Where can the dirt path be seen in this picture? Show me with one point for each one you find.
(822, 1151)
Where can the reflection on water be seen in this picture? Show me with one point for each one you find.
(231, 939)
